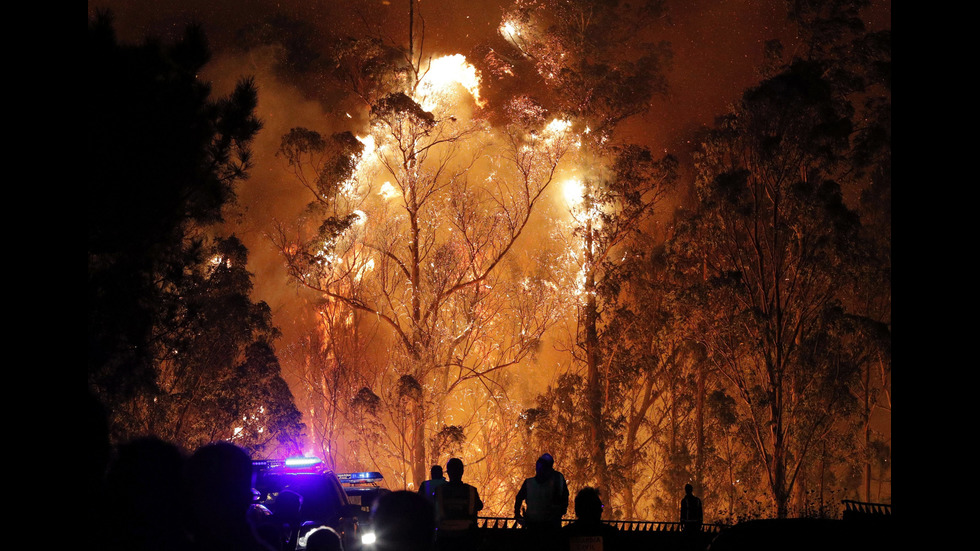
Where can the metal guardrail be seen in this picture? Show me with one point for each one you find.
(497, 523)
(650, 526)
(863, 508)
(510, 523)
(852, 509)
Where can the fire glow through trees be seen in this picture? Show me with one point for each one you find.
(452, 237)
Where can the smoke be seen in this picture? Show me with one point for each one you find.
(271, 193)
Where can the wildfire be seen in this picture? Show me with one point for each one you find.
(573, 190)
(441, 77)
(558, 126)
(369, 145)
(557, 133)
(511, 32)
(388, 191)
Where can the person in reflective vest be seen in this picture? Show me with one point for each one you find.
(457, 504)
(546, 496)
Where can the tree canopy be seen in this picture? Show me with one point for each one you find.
(172, 329)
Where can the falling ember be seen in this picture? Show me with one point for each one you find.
(443, 72)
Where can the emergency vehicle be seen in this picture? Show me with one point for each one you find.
(324, 501)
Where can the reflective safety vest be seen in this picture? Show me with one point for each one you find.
(585, 543)
(456, 504)
(544, 498)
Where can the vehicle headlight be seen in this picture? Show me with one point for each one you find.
(368, 538)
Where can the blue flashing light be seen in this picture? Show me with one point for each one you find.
(366, 476)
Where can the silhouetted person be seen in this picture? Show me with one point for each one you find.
(428, 488)
(692, 515)
(403, 521)
(546, 498)
(218, 483)
(324, 538)
(588, 533)
(285, 521)
(457, 504)
(143, 503)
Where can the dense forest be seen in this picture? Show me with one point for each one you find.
(489, 267)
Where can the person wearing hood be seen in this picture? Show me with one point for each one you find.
(544, 496)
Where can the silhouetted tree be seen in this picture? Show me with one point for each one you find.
(773, 239)
(170, 317)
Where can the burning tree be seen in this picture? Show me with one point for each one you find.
(402, 233)
(597, 84)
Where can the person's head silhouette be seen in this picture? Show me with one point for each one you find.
(588, 505)
(435, 472)
(544, 465)
(219, 489)
(324, 538)
(688, 489)
(287, 506)
(454, 468)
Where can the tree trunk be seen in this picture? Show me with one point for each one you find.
(867, 431)
(780, 492)
(699, 444)
(419, 467)
(594, 393)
